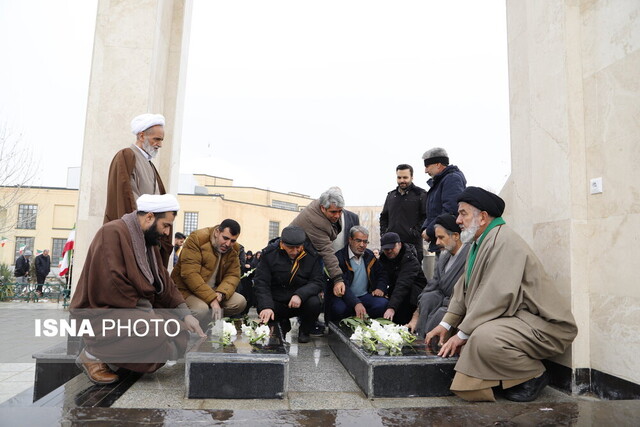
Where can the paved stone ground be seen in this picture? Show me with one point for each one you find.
(317, 380)
(321, 392)
(17, 342)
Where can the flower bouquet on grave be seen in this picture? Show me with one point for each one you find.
(224, 331)
(380, 336)
(257, 333)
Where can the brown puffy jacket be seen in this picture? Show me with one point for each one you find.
(197, 262)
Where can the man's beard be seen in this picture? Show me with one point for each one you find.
(469, 233)
(450, 248)
(152, 236)
(150, 149)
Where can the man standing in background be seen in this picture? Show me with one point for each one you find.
(446, 184)
(43, 267)
(404, 210)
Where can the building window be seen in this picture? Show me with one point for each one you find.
(190, 222)
(27, 217)
(56, 251)
(284, 205)
(274, 229)
(27, 242)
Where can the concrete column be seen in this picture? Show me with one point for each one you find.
(574, 98)
(139, 65)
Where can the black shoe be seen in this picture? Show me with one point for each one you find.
(285, 325)
(303, 337)
(317, 330)
(528, 390)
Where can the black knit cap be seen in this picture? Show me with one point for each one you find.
(448, 222)
(483, 200)
(293, 236)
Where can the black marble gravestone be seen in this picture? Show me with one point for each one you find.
(238, 371)
(417, 372)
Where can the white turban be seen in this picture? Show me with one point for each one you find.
(157, 203)
(145, 121)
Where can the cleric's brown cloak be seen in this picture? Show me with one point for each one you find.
(512, 311)
(121, 198)
(118, 275)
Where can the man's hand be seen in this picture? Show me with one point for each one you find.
(338, 289)
(295, 302)
(439, 331)
(193, 325)
(361, 312)
(413, 322)
(389, 314)
(452, 346)
(377, 293)
(216, 310)
(266, 315)
(424, 235)
(219, 296)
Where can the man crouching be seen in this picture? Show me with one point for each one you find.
(124, 282)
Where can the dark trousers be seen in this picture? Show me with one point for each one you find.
(404, 313)
(308, 312)
(375, 307)
(40, 281)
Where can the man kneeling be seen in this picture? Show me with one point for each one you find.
(124, 282)
(288, 280)
(508, 313)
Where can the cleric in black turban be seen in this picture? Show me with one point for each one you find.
(483, 200)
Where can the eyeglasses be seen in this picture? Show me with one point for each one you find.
(358, 241)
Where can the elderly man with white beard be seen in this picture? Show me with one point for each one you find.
(132, 174)
(508, 313)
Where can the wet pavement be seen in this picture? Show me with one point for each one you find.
(581, 413)
(320, 392)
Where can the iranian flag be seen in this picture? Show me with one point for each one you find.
(67, 253)
(3, 241)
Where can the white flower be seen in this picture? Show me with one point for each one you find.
(357, 335)
(246, 330)
(263, 330)
(229, 329)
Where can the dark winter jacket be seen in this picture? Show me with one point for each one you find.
(406, 279)
(43, 265)
(278, 278)
(442, 197)
(376, 276)
(404, 214)
(22, 266)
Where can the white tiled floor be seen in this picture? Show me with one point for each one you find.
(15, 378)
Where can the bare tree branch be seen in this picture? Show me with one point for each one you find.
(17, 170)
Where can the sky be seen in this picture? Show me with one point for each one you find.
(291, 96)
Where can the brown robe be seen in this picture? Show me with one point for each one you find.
(512, 311)
(120, 274)
(121, 198)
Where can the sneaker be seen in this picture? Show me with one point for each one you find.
(317, 330)
(303, 337)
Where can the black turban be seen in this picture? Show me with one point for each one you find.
(448, 221)
(483, 200)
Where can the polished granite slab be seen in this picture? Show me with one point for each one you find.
(238, 371)
(581, 413)
(418, 372)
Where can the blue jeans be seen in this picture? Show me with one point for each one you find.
(375, 306)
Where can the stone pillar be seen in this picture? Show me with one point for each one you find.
(574, 98)
(139, 66)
